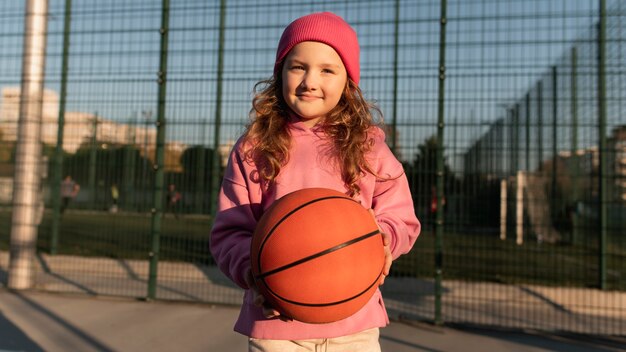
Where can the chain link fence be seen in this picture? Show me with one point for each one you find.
(508, 117)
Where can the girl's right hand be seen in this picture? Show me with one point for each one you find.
(258, 298)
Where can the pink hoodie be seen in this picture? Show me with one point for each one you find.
(243, 199)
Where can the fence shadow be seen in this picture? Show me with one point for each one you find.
(215, 276)
(13, 339)
(4, 277)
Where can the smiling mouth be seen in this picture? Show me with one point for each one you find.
(307, 97)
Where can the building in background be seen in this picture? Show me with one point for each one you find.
(81, 130)
(79, 127)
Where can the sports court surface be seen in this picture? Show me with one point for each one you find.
(32, 321)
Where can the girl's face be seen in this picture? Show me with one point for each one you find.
(314, 78)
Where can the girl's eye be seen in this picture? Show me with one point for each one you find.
(297, 67)
(326, 70)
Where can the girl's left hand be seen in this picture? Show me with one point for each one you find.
(387, 249)
(388, 258)
(258, 298)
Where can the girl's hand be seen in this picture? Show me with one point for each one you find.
(258, 298)
(387, 249)
(388, 258)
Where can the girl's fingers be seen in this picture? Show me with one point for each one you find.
(257, 298)
(386, 239)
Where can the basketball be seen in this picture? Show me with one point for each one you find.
(317, 255)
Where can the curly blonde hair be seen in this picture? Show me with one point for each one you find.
(347, 126)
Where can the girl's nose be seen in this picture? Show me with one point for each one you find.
(309, 81)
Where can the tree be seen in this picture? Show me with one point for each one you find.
(196, 162)
(423, 176)
(7, 150)
(109, 164)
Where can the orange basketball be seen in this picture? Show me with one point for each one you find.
(317, 255)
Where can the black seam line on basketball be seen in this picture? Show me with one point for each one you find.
(319, 254)
(289, 214)
(331, 303)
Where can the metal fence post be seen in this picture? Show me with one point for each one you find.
(527, 153)
(394, 96)
(27, 177)
(145, 185)
(517, 190)
(93, 156)
(498, 152)
(128, 176)
(440, 166)
(515, 141)
(555, 203)
(527, 126)
(509, 120)
(602, 146)
(57, 169)
(215, 164)
(159, 165)
(574, 145)
(540, 126)
(200, 181)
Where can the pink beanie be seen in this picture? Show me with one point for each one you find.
(327, 28)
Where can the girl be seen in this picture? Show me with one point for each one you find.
(310, 127)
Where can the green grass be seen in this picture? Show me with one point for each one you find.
(471, 257)
(481, 257)
(122, 235)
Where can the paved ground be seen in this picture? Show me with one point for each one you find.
(34, 321)
(578, 310)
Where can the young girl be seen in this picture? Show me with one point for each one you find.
(310, 127)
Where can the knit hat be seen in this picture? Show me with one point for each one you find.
(327, 28)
